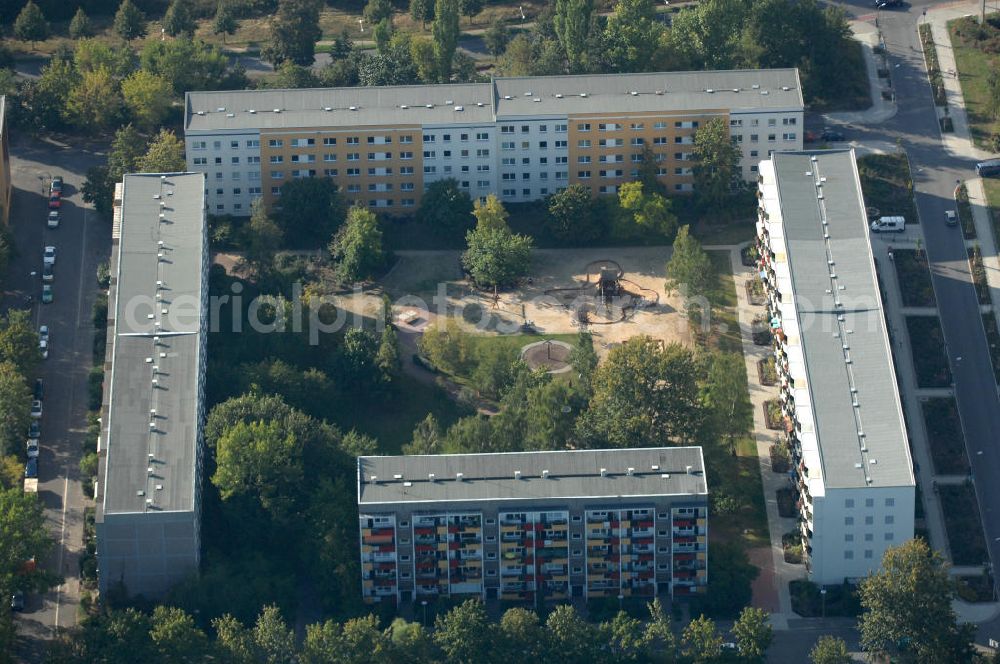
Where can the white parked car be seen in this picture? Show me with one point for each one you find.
(49, 256)
(32, 447)
(53, 221)
(36, 408)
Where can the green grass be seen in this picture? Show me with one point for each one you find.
(944, 434)
(965, 214)
(965, 529)
(887, 185)
(927, 346)
(854, 93)
(725, 332)
(978, 275)
(992, 188)
(933, 67)
(968, 40)
(515, 342)
(410, 404)
(914, 278)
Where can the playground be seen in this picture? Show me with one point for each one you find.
(615, 293)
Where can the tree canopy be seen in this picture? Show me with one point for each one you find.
(445, 209)
(717, 164)
(294, 33)
(30, 24)
(356, 249)
(689, 268)
(309, 211)
(130, 22)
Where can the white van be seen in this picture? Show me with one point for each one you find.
(889, 225)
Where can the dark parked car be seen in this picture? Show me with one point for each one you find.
(57, 185)
(17, 601)
(31, 468)
(34, 429)
(39, 389)
(55, 202)
(831, 136)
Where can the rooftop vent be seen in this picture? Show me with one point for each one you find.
(688, 469)
(156, 197)
(480, 104)
(872, 462)
(251, 111)
(659, 92)
(654, 467)
(536, 99)
(709, 90)
(277, 110)
(460, 108)
(604, 472)
(785, 88)
(140, 493)
(159, 487)
(812, 158)
(517, 474)
(429, 105)
(221, 109)
(407, 483)
(230, 115)
(583, 94)
(374, 478)
(630, 471)
(397, 476)
(149, 501)
(764, 92)
(508, 97)
(199, 112)
(559, 95)
(756, 86)
(149, 470)
(403, 106)
(634, 93)
(545, 474)
(449, 102)
(431, 476)
(665, 476)
(736, 89)
(459, 476)
(352, 108)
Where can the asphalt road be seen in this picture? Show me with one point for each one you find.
(935, 176)
(82, 241)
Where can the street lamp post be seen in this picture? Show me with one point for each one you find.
(822, 593)
(423, 603)
(621, 599)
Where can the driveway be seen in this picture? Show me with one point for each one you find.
(82, 240)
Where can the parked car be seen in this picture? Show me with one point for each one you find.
(48, 273)
(950, 218)
(831, 136)
(47, 294)
(31, 447)
(39, 388)
(887, 4)
(31, 468)
(43, 345)
(36, 408)
(34, 429)
(53, 221)
(988, 168)
(55, 202)
(49, 255)
(17, 601)
(57, 185)
(810, 137)
(889, 225)
(43, 348)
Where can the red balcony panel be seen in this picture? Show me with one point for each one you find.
(423, 531)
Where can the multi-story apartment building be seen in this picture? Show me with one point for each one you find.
(148, 492)
(521, 138)
(591, 523)
(5, 182)
(839, 395)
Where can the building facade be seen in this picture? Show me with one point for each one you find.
(5, 176)
(839, 397)
(148, 493)
(593, 523)
(520, 138)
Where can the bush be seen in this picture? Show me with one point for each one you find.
(781, 460)
(807, 601)
(95, 388)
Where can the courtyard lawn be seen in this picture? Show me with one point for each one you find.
(725, 332)
(969, 41)
(887, 185)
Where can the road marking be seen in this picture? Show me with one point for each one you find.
(62, 542)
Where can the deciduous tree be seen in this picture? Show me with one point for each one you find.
(445, 209)
(571, 636)
(496, 37)
(717, 163)
(584, 359)
(426, 437)
(225, 22)
(644, 395)
(356, 249)
(129, 23)
(377, 10)
(726, 396)
(127, 148)
(907, 608)
(689, 269)
(830, 650)
(19, 341)
(446, 32)
(422, 10)
(465, 634)
(15, 403)
(702, 641)
(571, 215)
(573, 23)
(165, 154)
(495, 256)
(187, 64)
(147, 98)
(648, 213)
(265, 238)
(294, 33)
(30, 25)
(632, 35)
(309, 211)
(470, 8)
(753, 633)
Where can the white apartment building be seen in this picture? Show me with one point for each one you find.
(520, 138)
(844, 422)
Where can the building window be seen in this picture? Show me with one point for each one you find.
(869, 520)
(585, 126)
(577, 519)
(525, 129)
(848, 555)
(869, 537)
(329, 157)
(890, 519)
(849, 503)
(353, 172)
(771, 138)
(849, 537)
(868, 554)
(330, 172)
(329, 141)
(890, 502)
(303, 142)
(275, 143)
(482, 136)
(889, 537)
(848, 520)
(583, 175)
(583, 144)
(353, 156)
(352, 140)
(507, 145)
(491, 555)
(869, 502)
(200, 161)
(253, 143)
(491, 538)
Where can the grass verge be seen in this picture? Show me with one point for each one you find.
(927, 346)
(887, 185)
(933, 68)
(914, 278)
(992, 188)
(725, 328)
(971, 43)
(965, 213)
(944, 434)
(979, 275)
(965, 530)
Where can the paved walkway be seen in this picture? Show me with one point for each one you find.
(957, 143)
(881, 109)
(774, 580)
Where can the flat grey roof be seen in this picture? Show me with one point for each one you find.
(738, 90)
(659, 471)
(824, 335)
(169, 354)
(482, 103)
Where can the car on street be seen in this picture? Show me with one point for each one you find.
(43, 348)
(831, 136)
(47, 294)
(49, 255)
(39, 388)
(888, 4)
(43, 345)
(34, 429)
(950, 218)
(55, 202)
(53, 221)
(36, 408)
(31, 468)
(48, 273)
(810, 137)
(31, 447)
(57, 185)
(17, 601)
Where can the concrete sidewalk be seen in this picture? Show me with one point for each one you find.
(881, 109)
(959, 142)
(774, 579)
